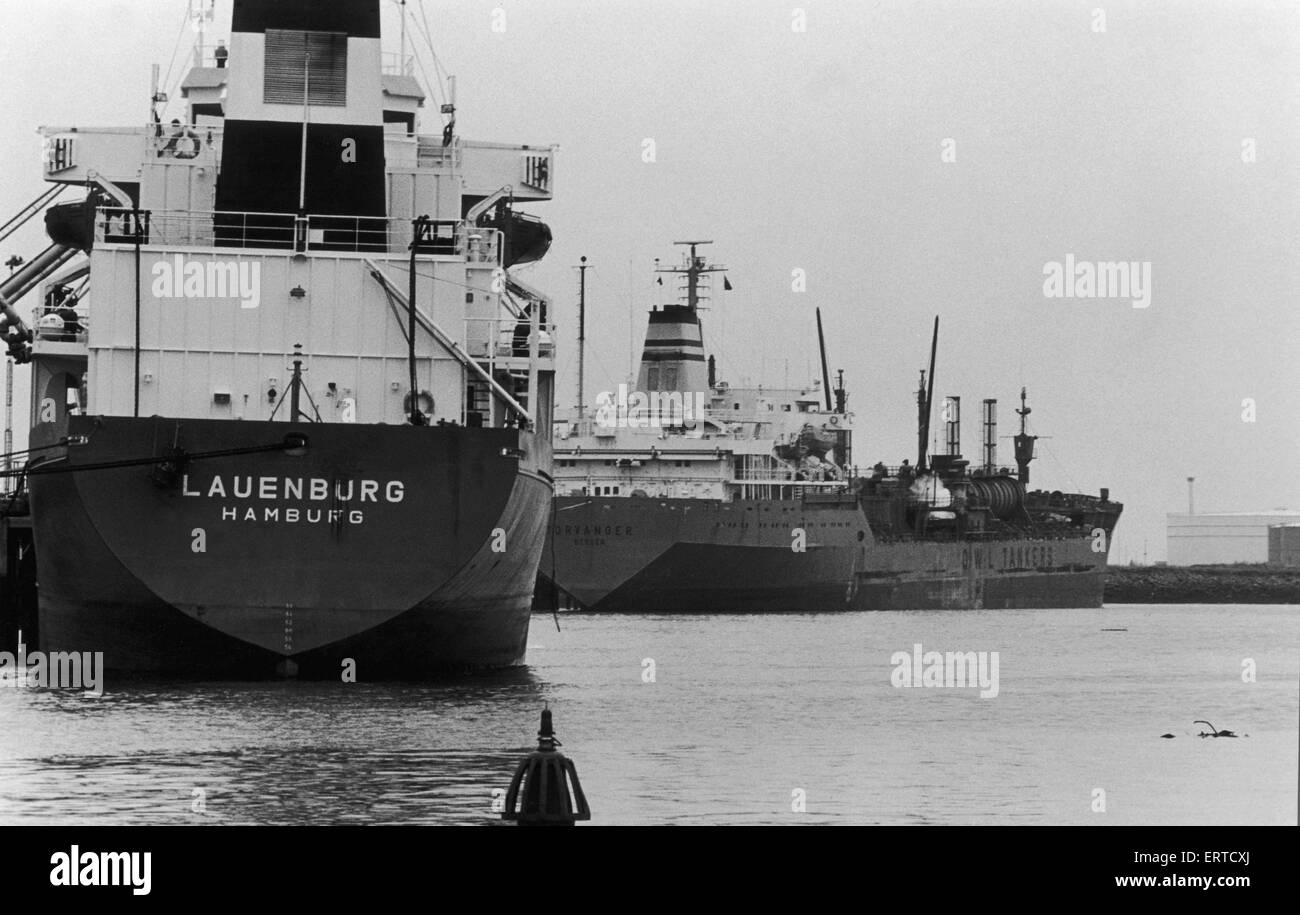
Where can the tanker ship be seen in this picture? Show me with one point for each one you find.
(291, 404)
(689, 495)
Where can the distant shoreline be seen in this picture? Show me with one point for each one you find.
(1214, 584)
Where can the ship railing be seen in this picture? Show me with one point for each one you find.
(720, 432)
(403, 150)
(398, 64)
(430, 152)
(210, 59)
(505, 337)
(825, 485)
(512, 339)
(60, 324)
(892, 471)
(786, 424)
(795, 419)
(980, 472)
(936, 535)
(588, 426)
(785, 476)
(285, 231)
(887, 471)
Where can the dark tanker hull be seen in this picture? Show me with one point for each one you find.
(402, 551)
(687, 555)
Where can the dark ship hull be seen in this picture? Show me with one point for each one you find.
(409, 550)
(692, 555)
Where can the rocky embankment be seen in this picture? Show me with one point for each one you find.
(1228, 584)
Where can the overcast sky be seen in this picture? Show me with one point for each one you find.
(1117, 135)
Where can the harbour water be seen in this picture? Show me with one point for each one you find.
(698, 719)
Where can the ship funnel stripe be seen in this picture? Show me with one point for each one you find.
(674, 332)
(357, 18)
(674, 314)
(672, 341)
(649, 356)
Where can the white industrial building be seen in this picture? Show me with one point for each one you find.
(1284, 545)
(1223, 537)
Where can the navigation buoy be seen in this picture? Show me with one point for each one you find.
(552, 794)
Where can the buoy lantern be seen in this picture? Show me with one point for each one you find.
(551, 793)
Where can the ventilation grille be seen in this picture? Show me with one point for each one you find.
(287, 56)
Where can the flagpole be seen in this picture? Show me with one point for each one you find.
(306, 108)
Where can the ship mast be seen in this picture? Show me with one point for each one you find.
(924, 397)
(693, 271)
(200, 12)
(826, 372)
(401, 53)
(582, 330)
(1024, 442)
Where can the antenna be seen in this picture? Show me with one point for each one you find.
(401, 53)
(200, 12)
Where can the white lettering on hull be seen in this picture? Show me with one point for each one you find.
(317, 489)
(292, 515)
(342, 495)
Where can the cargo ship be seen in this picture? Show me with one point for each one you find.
(291, 402)
(689, 495)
